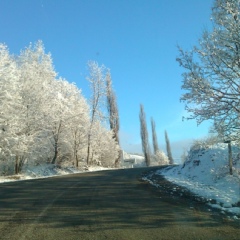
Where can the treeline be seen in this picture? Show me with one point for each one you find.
(46, 119)
(157, 157)
(211, 76)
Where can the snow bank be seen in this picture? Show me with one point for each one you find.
(206, 173)
(47, 170)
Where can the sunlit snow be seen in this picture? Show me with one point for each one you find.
(206, 174)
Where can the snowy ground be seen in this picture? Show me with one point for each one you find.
(206, 174)
(50, 170)
(47, 170)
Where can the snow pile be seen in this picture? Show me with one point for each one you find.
(206, 173)
(47, 170)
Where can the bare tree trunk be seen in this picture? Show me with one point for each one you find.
(75, 152)
(91, 160)
(20, 164)
(117, 161)
(56, 138)
(55, 152)
(88, 150)
(16, 164)
(230, 157)
(76, 160)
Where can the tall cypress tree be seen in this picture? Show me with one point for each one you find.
(113, 112)
(168, 147)
(154, 137)
(144, 135)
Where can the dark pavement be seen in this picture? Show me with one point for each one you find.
(112, 204)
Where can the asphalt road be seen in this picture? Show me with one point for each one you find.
(104, 205)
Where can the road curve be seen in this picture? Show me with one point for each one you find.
(102, 205)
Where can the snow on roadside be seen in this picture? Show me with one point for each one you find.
(98, 168)
(206, 174)
(46, 171)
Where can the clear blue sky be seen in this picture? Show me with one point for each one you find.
(136, 39)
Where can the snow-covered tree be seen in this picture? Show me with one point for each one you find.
(144, 136)
(56, 122)
(11, 139)
(212, 72)
(78, 125)
(66, 119)
(45, 119)
(37, 74)
(98, 88)
(104, 149)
